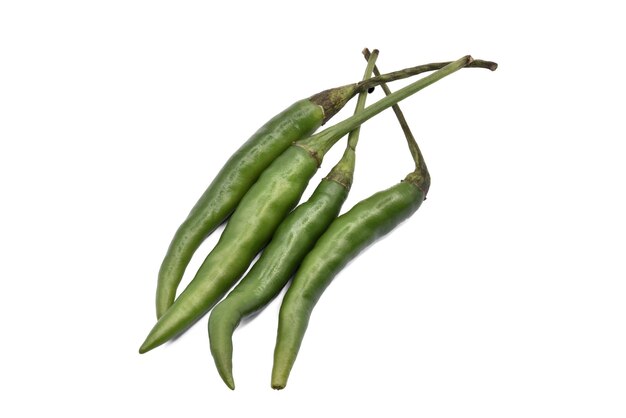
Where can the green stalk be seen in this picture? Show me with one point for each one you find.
(343, 171)
(353, 136)
(410, 139)
(333, 100)
(320, 143)
(409, 72)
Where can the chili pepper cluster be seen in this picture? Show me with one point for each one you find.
(257, 191)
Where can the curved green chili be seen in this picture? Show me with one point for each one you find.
(344, 239)
(260, 212)
(246, 165)
(293, 239)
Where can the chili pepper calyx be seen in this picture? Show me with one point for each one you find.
(313, 152)
(343, 172)
(333, 100)
(420, 179)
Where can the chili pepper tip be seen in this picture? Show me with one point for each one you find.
(230, 383)
(144, 348)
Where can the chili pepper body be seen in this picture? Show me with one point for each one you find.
(345, 238)
(228, 188)
(292, 241)
(250, 227)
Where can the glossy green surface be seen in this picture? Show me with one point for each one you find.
(292, 241)
(348, 235)
(229, 186)
(250, 227)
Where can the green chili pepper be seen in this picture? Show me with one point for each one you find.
(344, 239)
(293, 239)
(260, 212)
(246, 165)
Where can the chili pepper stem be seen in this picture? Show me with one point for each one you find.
(333, 100)
(420, 176)
(353, 136)
(343, 171)
(318, 144)
(409, 72)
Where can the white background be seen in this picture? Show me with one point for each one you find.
(502, 297)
